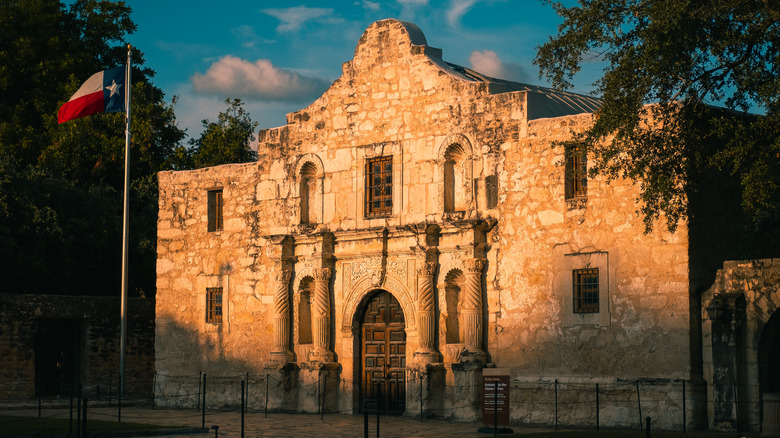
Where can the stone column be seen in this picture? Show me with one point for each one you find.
(425, 313)
(320, 311)
(472, 305)
(281, 352)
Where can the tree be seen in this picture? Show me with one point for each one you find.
(228, 139)
(671, 62)
(61, 185)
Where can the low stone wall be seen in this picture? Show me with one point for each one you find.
(23, 316)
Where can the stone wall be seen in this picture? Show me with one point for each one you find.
(494, 231)
(736, 311)
(22, 316)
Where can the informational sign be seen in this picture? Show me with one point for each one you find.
(495, 396)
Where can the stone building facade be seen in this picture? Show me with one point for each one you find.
(412, 226)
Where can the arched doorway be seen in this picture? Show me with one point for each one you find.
(383, 354)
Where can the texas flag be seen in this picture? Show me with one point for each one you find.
(103, 92)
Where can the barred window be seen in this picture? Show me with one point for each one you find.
(214, 305)
(379, 186)
(215, 210)
(576, 172)
(586, 290)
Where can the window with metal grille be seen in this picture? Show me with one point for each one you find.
(586, 290)
(214, 305)
(576, 172)
(379, 186)
(215, 210)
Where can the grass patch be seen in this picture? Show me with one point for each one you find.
(11, 425)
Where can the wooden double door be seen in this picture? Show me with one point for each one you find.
(383, 355)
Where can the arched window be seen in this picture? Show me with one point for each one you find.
(308, 193)
(452, 297)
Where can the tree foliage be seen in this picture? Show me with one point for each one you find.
(227, 140)
(61, 185)
(667, 65)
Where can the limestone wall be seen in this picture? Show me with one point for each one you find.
(508, 221)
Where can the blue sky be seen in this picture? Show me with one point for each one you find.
(279, 56)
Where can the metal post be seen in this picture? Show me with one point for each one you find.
(266, 395)
(556, 404)
(378, 397)
(246, 408)
(200, 383)
(685, 426)
(647, 427)
(495, 408)
(119, 404)
(125, 226)
(639, 404)
(324, 394)
(84, 420)
(597, 407)
(319, 402)
(78, 413)
(242, 409)
(421, 397)
(39, 403)
(110, 382)
(70, 415)
(203, 409)
(365, 418)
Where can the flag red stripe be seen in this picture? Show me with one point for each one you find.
(81, 107)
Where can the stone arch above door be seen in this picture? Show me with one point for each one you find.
(367, 285)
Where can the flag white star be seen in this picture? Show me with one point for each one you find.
(114, 87)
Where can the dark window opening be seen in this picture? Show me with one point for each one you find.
(586, 290)
(215, 210)
(214, 305)
(379, 186)
(576, 172)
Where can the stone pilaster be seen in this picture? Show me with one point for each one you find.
(426, 318)
(472, 306)
(320, 310)
(281, 352)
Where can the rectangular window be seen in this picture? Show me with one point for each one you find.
(214, 305)
(576, 172)
(215, 210)
(379, 186)
(586, 290)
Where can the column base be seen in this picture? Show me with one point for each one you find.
(425, 356)
(281, 357)
(321, 355)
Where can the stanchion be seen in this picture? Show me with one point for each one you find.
(119, 402)
(685, 426)
(242, 409)
(84, 420)
(597, 407)
(647, 427)
(39, 403)
(200, 382)
(421, 398)
(378, 397)
(266, 395)
(203, 408)
(70, 415)
(324, 395)
(639, 404)
(78, 413)
(365, 418)
(246, 408)
(556, 404)
(495, 408)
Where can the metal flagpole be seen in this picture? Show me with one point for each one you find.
(125, 229)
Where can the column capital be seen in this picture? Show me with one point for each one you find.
(427, 269)
(473, 265)
(321, 274)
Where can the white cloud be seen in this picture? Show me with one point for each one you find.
(293, 18)
(371, 6)
(488, 63)
(247, 36)
(235, 77)
(457, 9)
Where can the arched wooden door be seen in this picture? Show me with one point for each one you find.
(383, 355)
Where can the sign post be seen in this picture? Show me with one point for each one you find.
(495, 400)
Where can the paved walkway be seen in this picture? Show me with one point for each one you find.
(280, 425)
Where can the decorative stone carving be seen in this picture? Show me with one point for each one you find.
(425, 313)
(321, 316)
(281, 351)
(472, 304)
